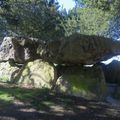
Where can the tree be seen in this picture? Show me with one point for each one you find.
(3, 28)
(112, 7)
(93, 17)
(39, 18)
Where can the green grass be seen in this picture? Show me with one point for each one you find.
(9, 94)
(41, 99)
(5, 96)
(5, 99)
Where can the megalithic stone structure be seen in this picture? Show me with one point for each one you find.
(80, 49)
(75, 49)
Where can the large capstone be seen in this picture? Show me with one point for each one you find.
(38, 74)
(79, 49)
(87, 82)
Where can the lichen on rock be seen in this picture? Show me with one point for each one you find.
(6, 71)
(79, 49)
(36, 74)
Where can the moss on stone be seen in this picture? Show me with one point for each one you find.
(85, 82)
(36, 74)
(4, 78)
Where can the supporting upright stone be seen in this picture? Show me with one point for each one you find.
(86, 82)
(38, 74)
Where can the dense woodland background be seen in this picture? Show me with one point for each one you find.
(43, 19)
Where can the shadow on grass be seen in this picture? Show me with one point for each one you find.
(41, 104)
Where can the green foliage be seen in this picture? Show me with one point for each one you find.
(111, 6)
(33, 18)
(89, 21)
(92, 17)
(2, 26)
(42, 19)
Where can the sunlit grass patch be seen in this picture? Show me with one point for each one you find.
(10, 94)
(40, 99)
(6, 96)
(5, 99)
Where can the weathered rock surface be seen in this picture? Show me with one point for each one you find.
(18, 49)
(112, 72)
(87, 82)
(36, 74)
(6, 71)
(116, 95)
(75, 49)
(79, 49)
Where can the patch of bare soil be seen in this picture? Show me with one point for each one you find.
(18, 111)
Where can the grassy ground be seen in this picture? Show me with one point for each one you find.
(41, 99)
(10, 93)
(35, 104)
